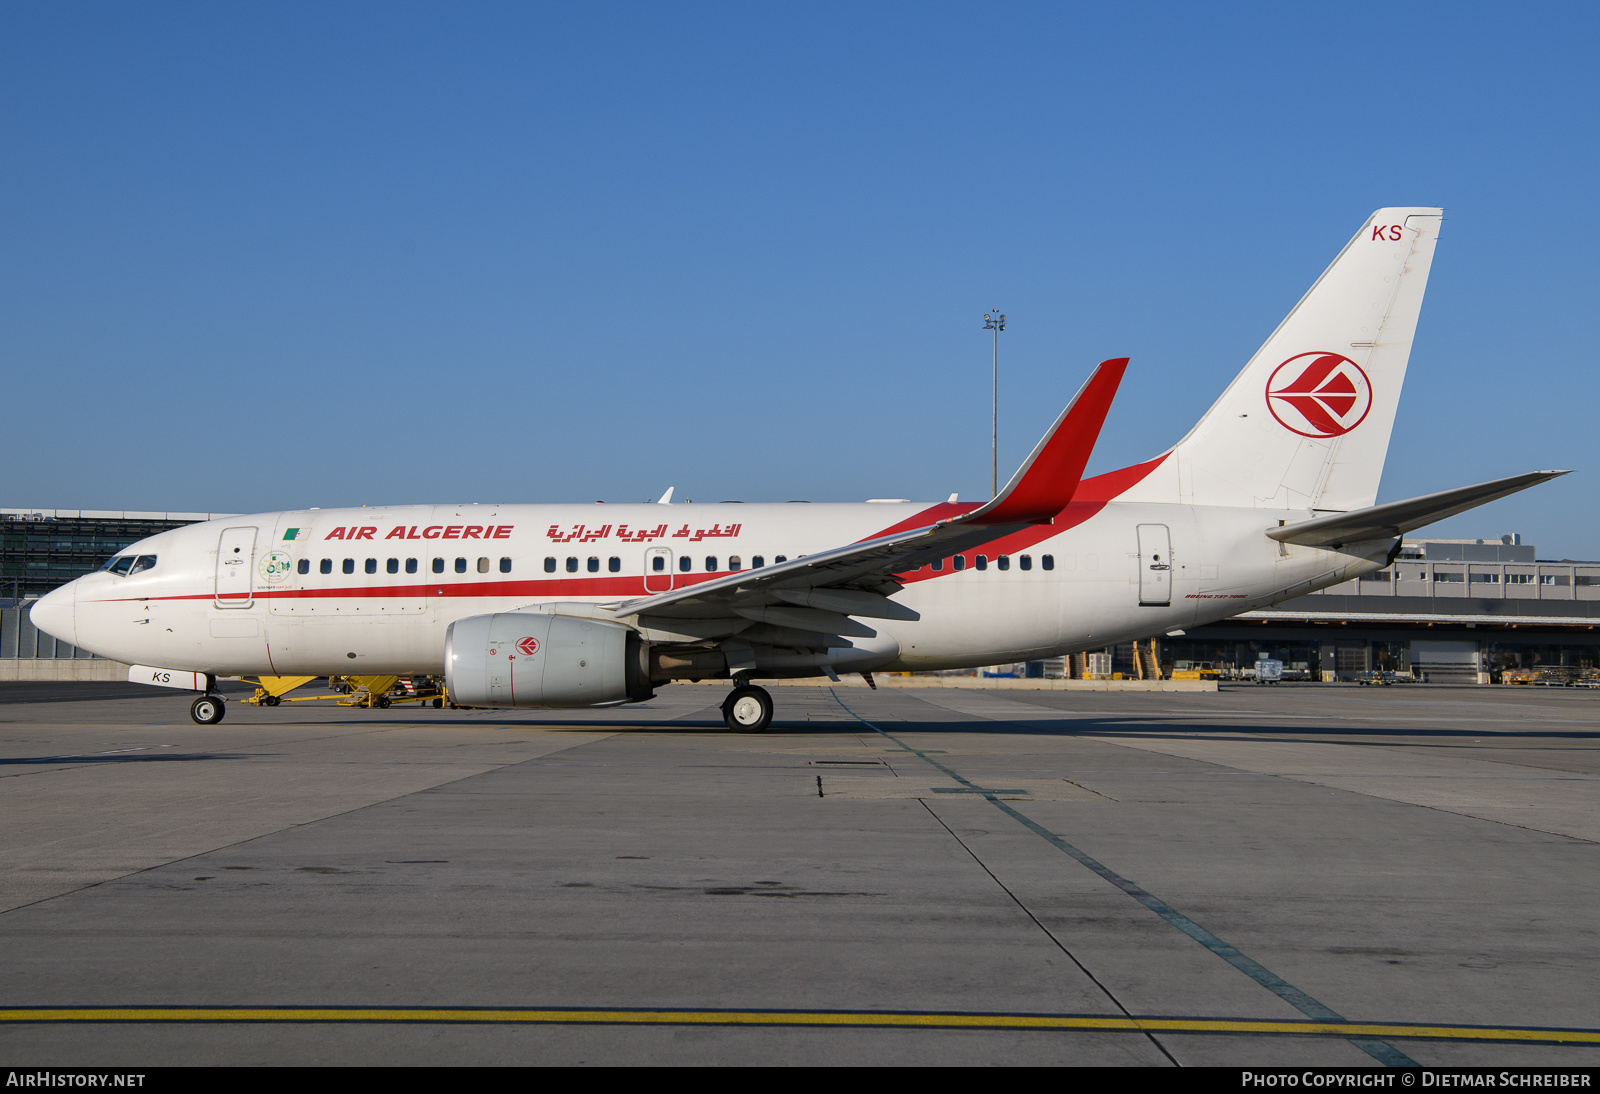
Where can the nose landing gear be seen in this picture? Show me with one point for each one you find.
(747, 709)
(208, 710)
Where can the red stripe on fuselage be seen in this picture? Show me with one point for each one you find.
(1092, 496)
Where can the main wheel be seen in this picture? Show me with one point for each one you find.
(748, 709)
(207, 710)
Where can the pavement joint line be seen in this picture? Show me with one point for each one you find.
(1131, 1023)
(1304, 1003)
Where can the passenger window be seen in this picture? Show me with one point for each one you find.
(120, 565)
(326, 566)
(614, 564)
(483, 565)
(372, 566)
(1003, 561)
(658, 563)
(733, 563)
(938, 564)
(1026, 562)
(961, 562)
(143, 563)
(983, 562)
(779, 560)
(304, 566)
(393, 566)
(411, 565)
(349, 566)
(685, 563)
(438, 565)
(461, 565)
(505, 565)
(711, 564)
(756, 562)
(594, 564)
(1047, 562)
(549, 564)
(572, 565)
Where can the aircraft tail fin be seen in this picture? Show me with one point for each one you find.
(1306, 424)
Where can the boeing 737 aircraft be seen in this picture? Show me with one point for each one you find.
(1270, 496)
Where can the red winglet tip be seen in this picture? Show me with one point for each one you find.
(1049, 480)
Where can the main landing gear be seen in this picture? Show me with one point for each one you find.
(208, 710)
(747, 709)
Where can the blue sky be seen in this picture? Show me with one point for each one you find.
(271, 256)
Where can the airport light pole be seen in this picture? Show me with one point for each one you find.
(993, 320)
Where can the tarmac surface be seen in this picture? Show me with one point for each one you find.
(911, 877)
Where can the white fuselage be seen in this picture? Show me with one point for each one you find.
(348, 591)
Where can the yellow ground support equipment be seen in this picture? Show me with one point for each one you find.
(349, 691)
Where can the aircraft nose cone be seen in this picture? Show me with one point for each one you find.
(52, 613)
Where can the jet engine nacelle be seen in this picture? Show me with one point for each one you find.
(532, 659)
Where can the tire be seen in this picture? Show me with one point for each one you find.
(207, 710)
(270, 700)
(748, 709)
(381, 702)
(437, 703)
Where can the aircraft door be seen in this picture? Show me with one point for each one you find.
(1155, 565)
(236, 555)
(658, 570)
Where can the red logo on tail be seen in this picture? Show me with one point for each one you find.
(1319, 394)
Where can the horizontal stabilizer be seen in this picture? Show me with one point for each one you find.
(1399, 517)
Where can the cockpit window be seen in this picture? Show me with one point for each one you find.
(119, 565)
(143, 563)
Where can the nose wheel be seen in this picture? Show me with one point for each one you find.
(747, 709)
(207, 710)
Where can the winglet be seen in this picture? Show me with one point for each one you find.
(1049, 477)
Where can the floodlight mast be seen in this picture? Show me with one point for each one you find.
(993, 320)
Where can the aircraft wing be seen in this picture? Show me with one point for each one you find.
(817, 593)
(1399, 517)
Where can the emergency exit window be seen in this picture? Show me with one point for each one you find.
(658, 563)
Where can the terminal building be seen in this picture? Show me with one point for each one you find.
(1446, 611)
